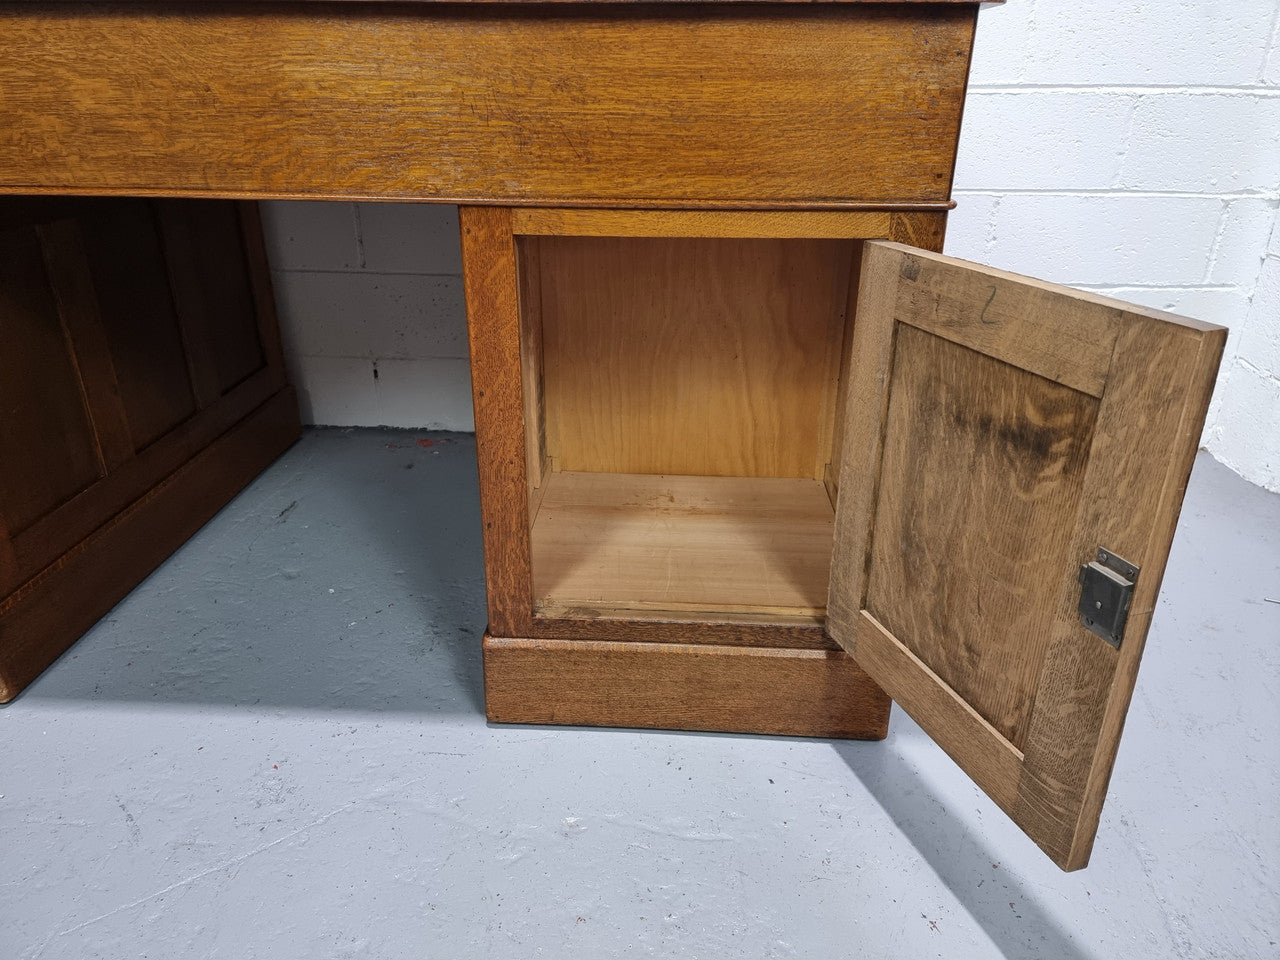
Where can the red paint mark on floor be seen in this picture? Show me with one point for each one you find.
(424, 442)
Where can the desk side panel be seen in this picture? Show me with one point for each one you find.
(785, 105)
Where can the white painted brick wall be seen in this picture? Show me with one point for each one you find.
(1133, 149)
(372, 312)
(1130, 148)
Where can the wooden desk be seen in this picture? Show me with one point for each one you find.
(689, 190)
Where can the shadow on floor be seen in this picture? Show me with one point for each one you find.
(358, 585)
(997, 901)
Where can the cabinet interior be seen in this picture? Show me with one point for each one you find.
(681, 406)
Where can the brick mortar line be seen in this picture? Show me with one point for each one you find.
(1273, 44)
(1261, 194)
(378, 359)
(359, 272)
(1201, 287)
(1265, 91)
(1224, 220)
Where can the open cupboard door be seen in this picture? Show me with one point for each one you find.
(1014, 460)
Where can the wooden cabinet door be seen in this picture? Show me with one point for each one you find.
(1000, 431)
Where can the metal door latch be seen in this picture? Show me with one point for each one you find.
(1105, 593)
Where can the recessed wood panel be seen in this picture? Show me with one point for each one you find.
(691, 356)
(210, 276)
(136, 310)
(731, 103)
(965, 573)
(47, 447)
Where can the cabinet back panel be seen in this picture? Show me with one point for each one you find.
(47, 448)
(691, 356)
(122, 242)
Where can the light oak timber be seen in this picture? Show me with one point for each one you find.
(804, 693)
(1149, 428)
(978, 747)
(765, 225)
(690, 355)
(566, 621)
(977, 477)
(493, 330)
(757, 104)
(537, 462)
(924, 229)
(979, 488)
(677, 543)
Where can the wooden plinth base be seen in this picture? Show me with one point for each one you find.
(46, 615)
(805, 693)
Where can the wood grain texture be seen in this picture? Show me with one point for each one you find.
(1149, 427)
(764, 225)
(862, 444)
(537, 464)
(678, 543)
(708, 3)
(37, 623)
(73, 289)
(959, 729)
(807, 693)
(926, 229)
(782, 104)
(47, 538)
(107, 272)
(48, 451)
(553, 621)
(130, 279)
(216, 297)
(116, 327)
(493, 330)
(945, 556)
(691, 356)
(979, 486)
(1011, 318)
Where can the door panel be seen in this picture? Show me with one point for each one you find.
(999, 431)
(47, 445)
(131, 282)
(989, 548)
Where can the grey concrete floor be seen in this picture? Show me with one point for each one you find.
(275, 746)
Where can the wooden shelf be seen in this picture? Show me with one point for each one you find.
(618, 541)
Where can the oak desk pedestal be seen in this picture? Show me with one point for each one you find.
(736, 417)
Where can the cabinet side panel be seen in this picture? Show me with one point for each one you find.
(493, 329)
